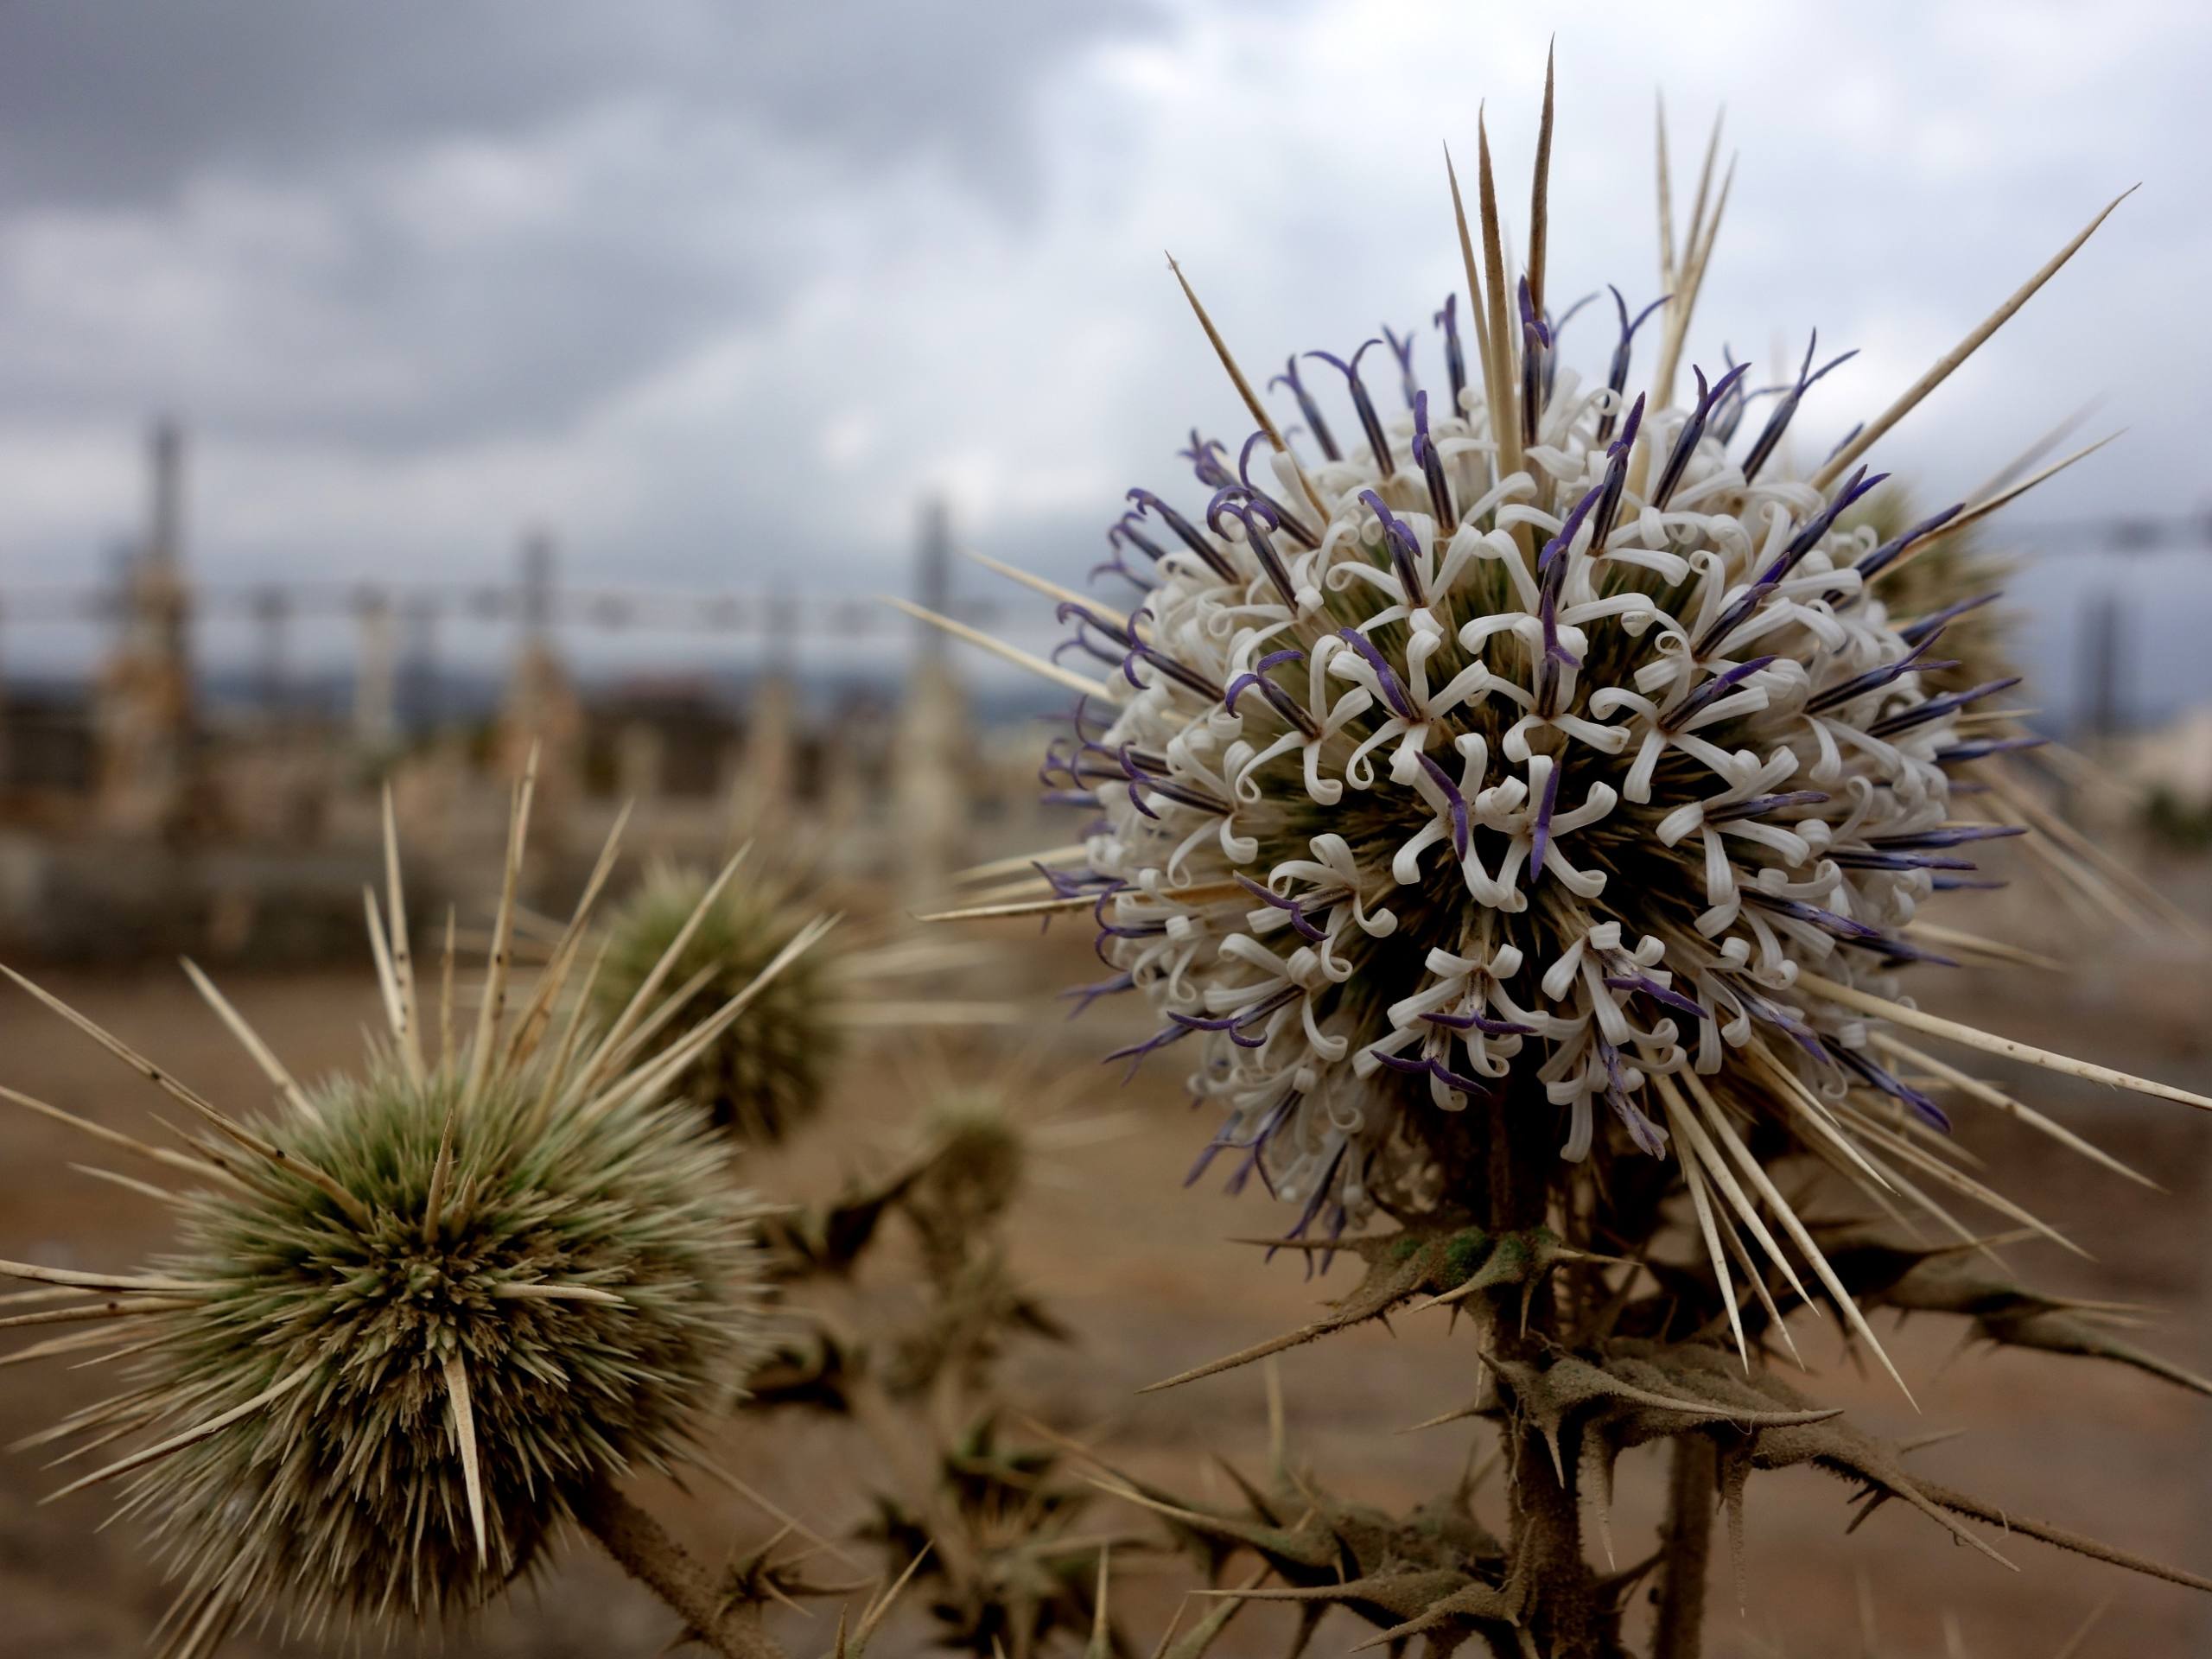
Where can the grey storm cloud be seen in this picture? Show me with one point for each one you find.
(120, 104)
(414, 222)
(718, 291)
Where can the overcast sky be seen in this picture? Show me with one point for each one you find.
(717, 290)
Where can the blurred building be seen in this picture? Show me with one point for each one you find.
(542, 711)
(246, 801)
(150, 779)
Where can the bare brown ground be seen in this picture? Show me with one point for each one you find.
(1141, 1269)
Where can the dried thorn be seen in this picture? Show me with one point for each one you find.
(1873, 432)
(464, 1428)
(1079, 683)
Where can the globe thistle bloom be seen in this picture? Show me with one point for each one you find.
(1533, 741)
(765, 1073)
(416, 1318)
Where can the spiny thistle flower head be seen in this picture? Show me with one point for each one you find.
(766, 1073)
(588, 1278)
(1566, 776)
(421, 1316)
(1536, 736)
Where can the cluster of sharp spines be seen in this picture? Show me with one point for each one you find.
(567, 1278)
(1194, 761)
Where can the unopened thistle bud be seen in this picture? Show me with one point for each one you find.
(765, 1075)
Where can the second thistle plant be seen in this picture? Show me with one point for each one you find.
(420, 1317)
(765, 1074)
(424, 1380)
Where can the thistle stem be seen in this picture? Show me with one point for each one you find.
(644, 1549)
(1545, 1521)
(1687, 1544)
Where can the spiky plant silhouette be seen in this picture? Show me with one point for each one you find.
(989, 1525)
(418, 1319)
(1532, 812)
(765, 1074)
(705, 935)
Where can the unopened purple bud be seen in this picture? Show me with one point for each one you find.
(1617, 376)
(1535, 349)
(1850, 859)
(1728, 408)
(1797, 910)
(1385, 462)
(1540, 839)
(1959, 754)
(1432, 466)
(1405, 551)
(1644, 985)
(1616, 478)
(1403, 349)
(1185, 531)
(1394, 691)
(1455, 361)
(1927, 1110)
(1686, 440)
(1952, 834)
(1204, 454)
(1913, 633)
(1886, 555)
(1565, 539)
(1778, 423)
(1783, 1020)
(1308, 408)
(1454, 800)
(1759, 806)
(1899, 952)
(1809, 537)
(1533, 331)
(1940, 708)
(1874, 678)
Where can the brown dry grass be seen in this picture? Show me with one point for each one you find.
(1141, 1269)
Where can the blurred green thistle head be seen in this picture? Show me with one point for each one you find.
(588, 1280)
(765, 1073)
(419, 1316)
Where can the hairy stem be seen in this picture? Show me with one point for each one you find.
(1545, 1521)
(645, 1551)
(1687, 1544)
